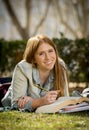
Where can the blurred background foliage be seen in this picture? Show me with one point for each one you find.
(75, 53)
(11, 53)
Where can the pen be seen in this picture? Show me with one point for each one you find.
(38, 86)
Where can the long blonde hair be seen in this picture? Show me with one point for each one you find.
(32, 46)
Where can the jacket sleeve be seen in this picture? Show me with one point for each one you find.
(19, 84)
(20, 87)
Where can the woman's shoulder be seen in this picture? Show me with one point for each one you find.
(24, 64)
(24, 67)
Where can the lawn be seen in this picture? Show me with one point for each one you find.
(15, 120)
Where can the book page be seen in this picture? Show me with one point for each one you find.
(59, 104)
(76, 108)
(69, 107)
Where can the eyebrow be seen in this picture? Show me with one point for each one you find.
(42, 51)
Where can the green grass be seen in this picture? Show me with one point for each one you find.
(15, 120)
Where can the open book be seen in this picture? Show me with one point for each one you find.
(65, 105)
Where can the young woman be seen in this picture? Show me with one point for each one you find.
(40, 78)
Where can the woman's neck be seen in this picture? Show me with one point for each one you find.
(43, 76)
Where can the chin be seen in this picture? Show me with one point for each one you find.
(50, 68)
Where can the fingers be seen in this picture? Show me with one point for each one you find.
(51, 100)
(51, 97)
(53, 94)
(23, 101)
(56, 92)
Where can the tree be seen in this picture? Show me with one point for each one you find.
(24, 31)
(76, 11)
(73, 15)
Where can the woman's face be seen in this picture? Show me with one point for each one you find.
(45, 57)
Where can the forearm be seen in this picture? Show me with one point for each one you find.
(37, 102)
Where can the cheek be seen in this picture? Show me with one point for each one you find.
(38, 59)
(54, 56)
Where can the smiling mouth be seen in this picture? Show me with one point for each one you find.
(48, 63)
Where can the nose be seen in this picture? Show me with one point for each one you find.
(47, 56)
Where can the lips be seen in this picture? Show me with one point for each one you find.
(49, 62)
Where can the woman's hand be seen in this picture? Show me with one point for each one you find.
(23, 101)
(50, 97)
